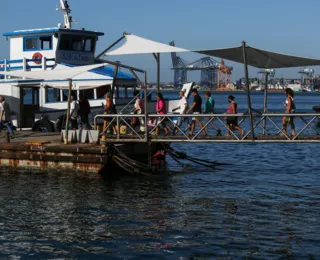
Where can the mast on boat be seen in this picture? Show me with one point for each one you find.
(65, 8)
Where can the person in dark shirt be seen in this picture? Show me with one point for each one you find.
(196, 109)
(84, 111)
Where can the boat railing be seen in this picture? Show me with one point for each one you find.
(26, 64)
(266, 127)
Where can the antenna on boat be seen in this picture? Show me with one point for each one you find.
(65, 8)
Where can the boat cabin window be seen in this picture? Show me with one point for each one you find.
(38, 43)
(53, 95)
(46, 42)
(69, 42)
(88, 93)
(31, 44)
(101, 91)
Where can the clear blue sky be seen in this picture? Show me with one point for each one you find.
(288, 26)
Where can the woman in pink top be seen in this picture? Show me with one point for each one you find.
(161, 110)
(232, 121)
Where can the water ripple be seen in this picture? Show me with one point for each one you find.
(257, 206)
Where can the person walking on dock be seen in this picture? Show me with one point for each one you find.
(290, 109)
(161, 110)
(74, 112)
(138, 110)
(196, 109)
(182, 109)
(84, 111)
(109, 109)
(209, 109)
(5, 113)
(232, 121)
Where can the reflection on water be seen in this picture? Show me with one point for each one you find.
(263, 203)
(260, 204)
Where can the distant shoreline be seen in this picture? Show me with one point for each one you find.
(229, 90)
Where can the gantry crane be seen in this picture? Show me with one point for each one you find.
(213, 73)
(180, 75)
(307, 77)
(224, 73)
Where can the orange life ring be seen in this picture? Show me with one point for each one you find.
(37, 58)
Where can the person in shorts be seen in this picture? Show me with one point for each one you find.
(109, 109)
(196, 110)
(74, 112)
(232, 121)
(161, 110)
(290, 109)
(209, 109)
(182, 109)
(138, 110)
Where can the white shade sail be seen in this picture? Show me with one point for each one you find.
(138, 45)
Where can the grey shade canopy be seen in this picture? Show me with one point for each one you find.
(260, 58)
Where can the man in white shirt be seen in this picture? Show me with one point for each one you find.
(74, 113)
(182, 108)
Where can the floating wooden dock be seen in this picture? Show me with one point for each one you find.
(46, 151)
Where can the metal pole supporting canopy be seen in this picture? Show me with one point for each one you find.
(248, 87)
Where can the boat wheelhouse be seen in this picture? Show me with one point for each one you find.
(55, 49)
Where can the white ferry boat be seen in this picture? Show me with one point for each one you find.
(42, 103)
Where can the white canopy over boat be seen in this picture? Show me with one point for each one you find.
(255, 57)
(83, 77)
(61, 73)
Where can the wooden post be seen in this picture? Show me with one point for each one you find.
(68, 112)
(146, 106)
(265, 105)
(147, 138)
(157, 57)
(115, 74)
(5, 68)
(244, 49)
(158, 72)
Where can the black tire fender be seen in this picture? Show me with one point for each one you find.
(43, 125)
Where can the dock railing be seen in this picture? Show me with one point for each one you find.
(118, 120)
(268, 127)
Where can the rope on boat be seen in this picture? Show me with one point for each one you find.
(134, 162)
(129, 165)
(137, 168)
(133, 170)
(177, 160)
(176, 155)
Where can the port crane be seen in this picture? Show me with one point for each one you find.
(213, 73)
(180, 75)
(307, 76)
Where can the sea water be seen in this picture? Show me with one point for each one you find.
(261, 202)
